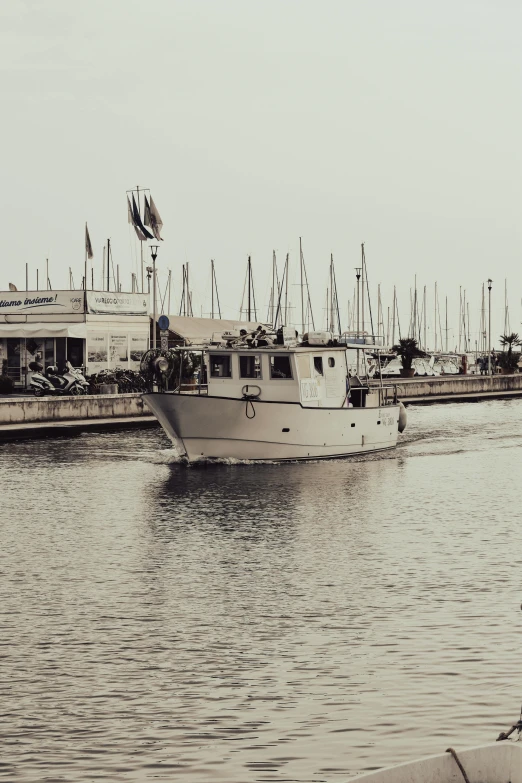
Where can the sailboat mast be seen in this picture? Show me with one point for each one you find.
(424, 313)
(302, 287)
(108, 263)
(249, 275)
(394, 314)
(358, 276)
(446, 324)
(460, 316)
(362, 284)
(435, 318)
(272, 295)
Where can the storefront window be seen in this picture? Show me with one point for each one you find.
(13, 358)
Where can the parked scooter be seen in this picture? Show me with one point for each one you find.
(71, 382)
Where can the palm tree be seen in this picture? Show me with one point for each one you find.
(407, 348)
(510, 340)
(507, 359)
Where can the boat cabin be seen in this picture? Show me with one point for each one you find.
(316, 377)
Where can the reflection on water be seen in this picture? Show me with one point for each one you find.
(258, 622)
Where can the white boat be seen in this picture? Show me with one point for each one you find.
(498, 762)
(268, 401)
(426, 367)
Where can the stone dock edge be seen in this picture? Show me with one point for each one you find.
(32, 417)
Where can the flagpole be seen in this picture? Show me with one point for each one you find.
(85, 273)
(141, 240)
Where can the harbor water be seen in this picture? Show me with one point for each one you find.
(241, 622)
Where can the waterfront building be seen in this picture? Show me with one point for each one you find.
(94, 330)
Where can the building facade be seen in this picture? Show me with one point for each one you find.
(94, 330)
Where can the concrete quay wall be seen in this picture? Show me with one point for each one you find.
(26, 410)
(458, 388)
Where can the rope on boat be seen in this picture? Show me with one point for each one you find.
(253, 410)
(249, 396)
(459, 764)
(504, 735)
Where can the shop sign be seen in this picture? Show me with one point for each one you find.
(41, 302)
(111, 303)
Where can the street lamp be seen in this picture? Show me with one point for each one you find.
(489, 326)
(154, 253)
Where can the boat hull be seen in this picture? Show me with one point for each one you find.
(205, 427)
(499, 762)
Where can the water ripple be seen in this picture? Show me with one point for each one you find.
(264, 622)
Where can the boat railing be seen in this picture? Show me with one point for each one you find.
(387, 394)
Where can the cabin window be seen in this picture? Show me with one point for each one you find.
(250, 366)
(331, 361)
(318, 364)
(221, 366)
(280, 367)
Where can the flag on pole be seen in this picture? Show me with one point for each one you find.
(146, 213)
(156, 223)
(88, 246)
(136, 219)
(130, 219)
(151, 216)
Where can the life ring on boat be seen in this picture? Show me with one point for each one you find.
(251, 395)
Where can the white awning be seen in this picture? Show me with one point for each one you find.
(44, 330)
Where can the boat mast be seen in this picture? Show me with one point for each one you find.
(358, 276)
(362, 284)
(446, 325)
(435, 318)
(286, 291)
(394, 314)
(108, 263)
(212, 288)
(273, 291)
(506, 309)
(424, 313)
(249, 275)
(302, 285)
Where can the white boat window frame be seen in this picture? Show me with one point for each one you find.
(271, 358)
(213, 357)
(253, 356)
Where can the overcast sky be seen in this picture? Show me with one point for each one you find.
(254, 122)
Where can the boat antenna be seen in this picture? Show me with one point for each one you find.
(214, 287)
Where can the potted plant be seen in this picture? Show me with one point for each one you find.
(407, 348)
(508, 360)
